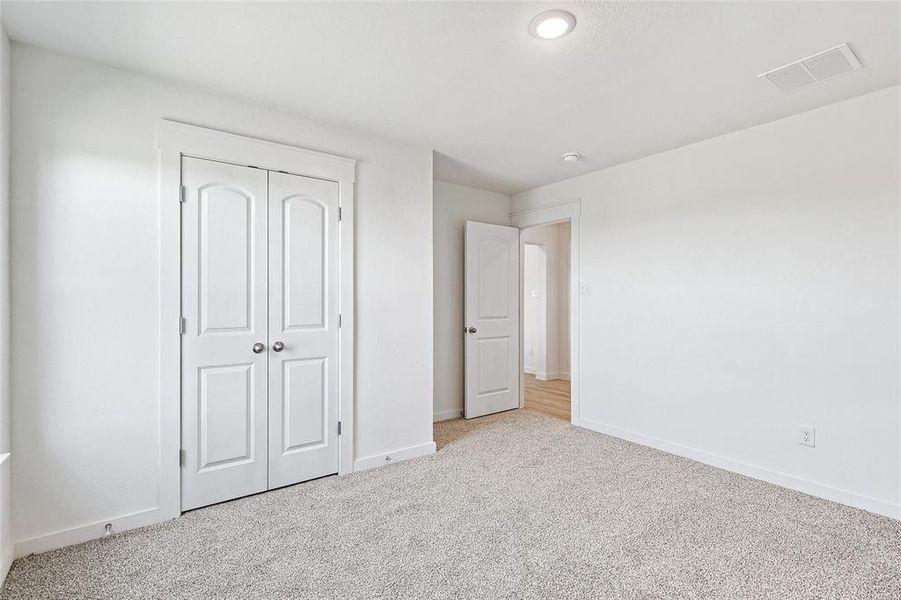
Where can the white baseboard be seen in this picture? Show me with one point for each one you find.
(806, 486)
(553, 375)
(378, 460)
(446, 415)
(6, 550)
(84, 533)
(6, 561)
(528, 370)
(546, 376)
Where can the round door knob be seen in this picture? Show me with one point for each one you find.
(278, 346)
(259, 348)
(472, 330)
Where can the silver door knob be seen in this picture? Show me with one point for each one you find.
(472, 330)
(278, 346)
(259, 348)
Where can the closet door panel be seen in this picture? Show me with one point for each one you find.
(303, 328)
(224, 304)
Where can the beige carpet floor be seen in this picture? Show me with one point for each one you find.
(517, 505)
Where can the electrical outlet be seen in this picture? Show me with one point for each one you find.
(585, 289)
(808, 436)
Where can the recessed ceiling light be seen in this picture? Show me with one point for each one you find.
(571, 156)
(552, 24)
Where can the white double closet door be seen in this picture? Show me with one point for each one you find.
(260, 343)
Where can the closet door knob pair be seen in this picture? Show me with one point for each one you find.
(260, 347)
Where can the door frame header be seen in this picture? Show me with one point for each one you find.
(174, 141)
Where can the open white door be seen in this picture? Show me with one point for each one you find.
(491, 319)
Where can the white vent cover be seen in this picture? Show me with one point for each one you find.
(819, 67)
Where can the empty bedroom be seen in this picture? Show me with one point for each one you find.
(450, 300)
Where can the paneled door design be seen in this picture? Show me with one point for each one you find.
(260, 342)
(224, 349)
(303, 328)
(491, 319)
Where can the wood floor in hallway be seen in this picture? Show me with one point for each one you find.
(547, 397)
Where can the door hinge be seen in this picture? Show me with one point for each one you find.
(181, 194)
(181, 458)
(181, 326)
(339, 427)
(340, 213)
(340, 320)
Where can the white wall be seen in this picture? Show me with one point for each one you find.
(746, 285)
(454, 205)
(563, 304)
(5, 530)
(85, 272)
(534, 310)
(549, 331)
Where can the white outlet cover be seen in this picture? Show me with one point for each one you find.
(808, 436)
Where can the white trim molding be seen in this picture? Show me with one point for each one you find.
(554, 375)
(399, 455)
(215, 144)
(6, 561)
(84, 533)
(447, 415)
(572, 212)
(806, 486)
(546, 214)
(7, 549)
(174, 141)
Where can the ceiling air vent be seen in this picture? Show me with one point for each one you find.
(819, 67)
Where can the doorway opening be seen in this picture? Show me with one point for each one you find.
(545, 293)
(494, 299)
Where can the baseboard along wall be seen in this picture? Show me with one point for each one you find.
(446, 415)
(805, 486)
(387, 458)
(84, 533)
(151, 516)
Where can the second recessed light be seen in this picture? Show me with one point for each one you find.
(552, 24)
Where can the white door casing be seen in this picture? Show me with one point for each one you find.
(303, 318)
(224, 306)
(491, 319)
(175, 142)
(570, 211)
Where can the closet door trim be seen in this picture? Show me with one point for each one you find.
(176, 140)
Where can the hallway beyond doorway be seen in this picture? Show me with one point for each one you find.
(547, 397)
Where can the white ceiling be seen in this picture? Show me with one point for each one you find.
(467, 79)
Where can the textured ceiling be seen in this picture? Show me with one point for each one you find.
(466, 78)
